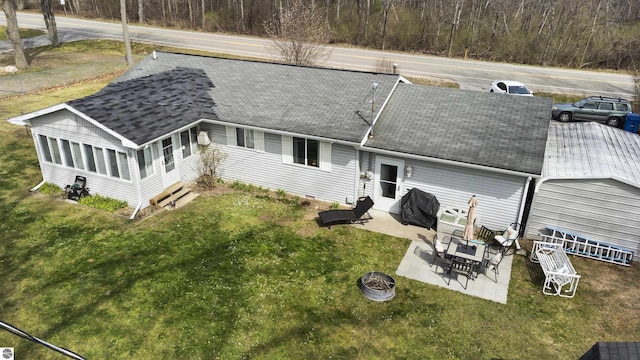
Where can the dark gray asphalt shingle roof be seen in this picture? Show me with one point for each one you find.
(302, 100)
(146, 108)
(613, 351)
(504, 132)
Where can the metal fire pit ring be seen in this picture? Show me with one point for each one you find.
(377, 286)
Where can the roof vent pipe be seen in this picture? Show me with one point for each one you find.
(154, 55)
(373, 108)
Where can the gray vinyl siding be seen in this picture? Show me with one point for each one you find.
(152, 185)
(499, 196)
(267, 169)
(599, 209)
(66, 125)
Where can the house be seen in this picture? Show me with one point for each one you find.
(590, 184)
(333, 135)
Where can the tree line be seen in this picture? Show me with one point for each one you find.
(596, 34)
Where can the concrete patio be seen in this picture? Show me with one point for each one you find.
(418, 261)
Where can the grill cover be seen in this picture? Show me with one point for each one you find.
(419, 208)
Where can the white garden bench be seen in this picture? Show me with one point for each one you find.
(561, 278)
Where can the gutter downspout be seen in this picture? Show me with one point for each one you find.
(356, 188)
(37, 186)
(524, 199)
(135, 211)
(521, 212)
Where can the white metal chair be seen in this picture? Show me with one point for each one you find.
(508, 238)
(493, 263)
(439, 249)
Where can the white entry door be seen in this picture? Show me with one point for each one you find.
(388, 180)
(170, 173)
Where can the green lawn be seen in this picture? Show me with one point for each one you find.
(250, 275)
(24, 33)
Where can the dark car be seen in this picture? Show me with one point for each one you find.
(611, 111)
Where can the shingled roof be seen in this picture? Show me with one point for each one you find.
(472, 127)
(301, 100)
(167, 91)
(144, 109)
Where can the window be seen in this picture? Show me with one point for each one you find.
(123, 165)
(91, 161)
(113, 163)
(46, 152)
(622, 107)
(55, 150)
(307, 152)
(77, 156)
(66, 151)
(102, 165)
(606, 106)
(189, 141)
(167, 152)
(145, 162)
(244, 138)
(590, 105)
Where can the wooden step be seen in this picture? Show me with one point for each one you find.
(174, 197)
(167, 192)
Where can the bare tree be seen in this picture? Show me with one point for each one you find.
(49, 21)
(455, 22)
(210, 159)
(386, 6)
(299, 34)
(9, 8)
(125, 31)
(141, 11)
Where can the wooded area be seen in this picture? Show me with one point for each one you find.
(601, 34)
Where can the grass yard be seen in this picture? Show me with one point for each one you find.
(250, 275)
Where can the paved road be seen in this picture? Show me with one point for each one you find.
(470, 74)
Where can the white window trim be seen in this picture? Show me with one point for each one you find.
(324, 154)
(258, 139)
(148, 165)
(83, 161)
(192, 142)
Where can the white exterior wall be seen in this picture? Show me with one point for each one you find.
(599, 209)
(499, 196)
(66, 125)
(267, 169)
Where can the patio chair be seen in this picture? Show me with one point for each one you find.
(355, 215)
(493, 263)
(462, 267)
(438, 251)
(508, 238)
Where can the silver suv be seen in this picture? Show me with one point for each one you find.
(611, 111)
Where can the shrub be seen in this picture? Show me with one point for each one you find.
(103, 203)
(334, 205)
(210, 159)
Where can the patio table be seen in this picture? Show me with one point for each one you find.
(472, 250)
